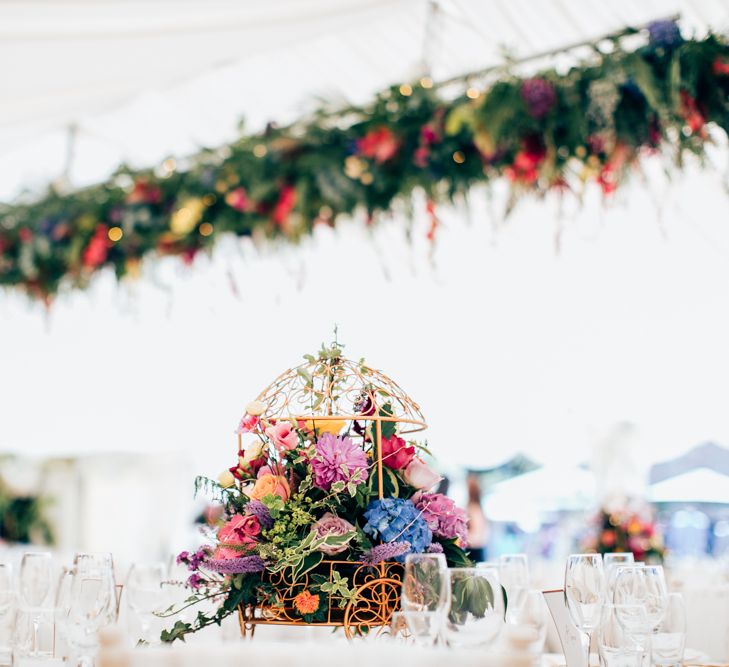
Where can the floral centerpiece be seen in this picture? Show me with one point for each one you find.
(626, 529)
(326, 498)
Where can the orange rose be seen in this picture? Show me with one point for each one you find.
(271, 485)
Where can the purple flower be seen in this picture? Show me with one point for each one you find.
(338, 460)
(242, 565)
(183, 558)
(664, 34)
(539, 96)
(435, 548)
(386, 551)
(194, 561)
(195, 581)
(261, 512)
(442, 516)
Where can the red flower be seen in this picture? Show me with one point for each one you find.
(380, 145)
(525, 168)
(144, 193)
(690, 113)
(26, 236)
(396, 453)
(97, 249)
(284, 206)
(721, 67)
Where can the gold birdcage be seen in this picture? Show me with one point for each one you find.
(328, 388)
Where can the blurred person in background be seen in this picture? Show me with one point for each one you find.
(478, 528)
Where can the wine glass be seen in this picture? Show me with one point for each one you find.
(670, 637)
(423, 626)
(532, 614)
(476, 614)
(623, 636)
(612, 561)
(584, 591)
(90, 600)
(35, 587)
(514, 575)
(644, 585)
(144, 593)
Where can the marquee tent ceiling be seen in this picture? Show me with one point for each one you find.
(142, 80)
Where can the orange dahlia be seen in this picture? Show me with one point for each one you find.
(306, 603)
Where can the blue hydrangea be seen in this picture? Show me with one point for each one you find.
(397, 520)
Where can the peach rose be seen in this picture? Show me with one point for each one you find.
(271, 485)
(419, 475)
(283, 436)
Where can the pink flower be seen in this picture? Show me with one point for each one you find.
(442, 516)
(396, 453)
(331, 524)
(338, 460)
(283, 436)
(241, 530)
(419, 475)
(237, 199)
(247, 424)
(222, 553)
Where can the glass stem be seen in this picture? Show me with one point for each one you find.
(36, 628)
(588, 634)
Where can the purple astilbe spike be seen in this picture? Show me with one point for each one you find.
(242, 565)
(435, 548)
(260, 511)
(386, 551)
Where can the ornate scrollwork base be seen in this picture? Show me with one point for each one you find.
(377, 596)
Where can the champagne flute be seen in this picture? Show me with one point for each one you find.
(476, 614)
(35, 586)
(144, 593)
(584, 590)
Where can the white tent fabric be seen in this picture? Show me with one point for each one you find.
(701, 485)
(508, 345)
(143, 80)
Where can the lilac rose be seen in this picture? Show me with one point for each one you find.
(331, 525)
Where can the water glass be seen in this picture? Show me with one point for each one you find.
(399, 630)
(514, 576)
(584, 590)
(424, 626)
(623, 636)
(145, 595)
(476, 614)
(426, 584)
(669, 639)
(644, 585)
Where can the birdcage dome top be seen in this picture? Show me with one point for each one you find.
(329, 386)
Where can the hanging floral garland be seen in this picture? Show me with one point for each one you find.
(548, 132)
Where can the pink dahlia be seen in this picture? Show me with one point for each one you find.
(338, 460)
(443, 517)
